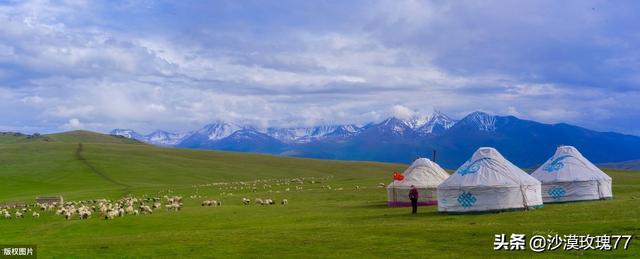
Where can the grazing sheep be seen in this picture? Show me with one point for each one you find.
(136, 212)
(285, 202)
(146, 209)
(246, 201)
(35, 214)
(173, 206)
(85, 214)
(259, 201)
(269, 201)
(111, 214)
(7, 215)
(19, 215)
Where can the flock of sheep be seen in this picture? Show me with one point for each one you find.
(108, 209)
(259, 201)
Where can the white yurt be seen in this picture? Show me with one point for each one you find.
(488, 182)
(425, 175)
(569, 176)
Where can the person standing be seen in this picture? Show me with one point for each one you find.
(413, 196)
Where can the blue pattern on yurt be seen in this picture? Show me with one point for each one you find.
(471, 168)
(557, 192)
(466, 199)
(555, 165)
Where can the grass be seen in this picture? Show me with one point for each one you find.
(317, 222)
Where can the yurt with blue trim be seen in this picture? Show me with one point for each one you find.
(488, 182)
(425, 175)
(569, 176)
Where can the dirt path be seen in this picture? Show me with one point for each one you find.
(83, 160)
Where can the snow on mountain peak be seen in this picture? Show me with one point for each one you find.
(483, 121)
(219, 130)
(127, 133)
(158, 137)
(437, 122)
(301, 134)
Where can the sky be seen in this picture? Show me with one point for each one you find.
(177, 65)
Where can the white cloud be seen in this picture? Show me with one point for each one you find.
(74, 60)
(74, 124)
(401, 112)
(33, 100)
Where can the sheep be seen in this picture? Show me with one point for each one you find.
(35, 214)
(259, 201)
(110, 215)
(136, 212)
(246, 201)
(19, 214)
(146, 209)
(7, 215)
(269, 202)
(174, 206)
(285, 202)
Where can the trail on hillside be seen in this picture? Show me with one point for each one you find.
(80, 157)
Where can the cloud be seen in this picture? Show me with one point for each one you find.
(74, 124)
(33, 100)
(178, 65)
(401, 112)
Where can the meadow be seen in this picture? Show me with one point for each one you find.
(350, 219)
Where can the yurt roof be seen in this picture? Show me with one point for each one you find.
(488, 168)
(567, 165)
(422, 173)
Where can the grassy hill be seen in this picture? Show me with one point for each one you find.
(318, 222)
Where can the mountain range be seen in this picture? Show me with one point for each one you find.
(526, 143)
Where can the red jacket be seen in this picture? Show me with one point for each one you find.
(413, 193)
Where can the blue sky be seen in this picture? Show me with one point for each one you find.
(177, 65)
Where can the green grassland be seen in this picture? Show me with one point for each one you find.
(317, 222)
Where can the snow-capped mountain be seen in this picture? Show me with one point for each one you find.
(526, 143)
(158, 137)
(298, 135)
(127, 133)
(309, 134)
(438, 122)
(481, 121)
(418, 120)
(394, 126)
(163, 138)
(344, 131)
(219, 130)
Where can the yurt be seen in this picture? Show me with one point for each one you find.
(425, 175)
(569, 176)
(488, 182)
